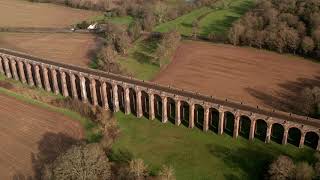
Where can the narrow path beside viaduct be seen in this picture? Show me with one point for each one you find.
(116, 92)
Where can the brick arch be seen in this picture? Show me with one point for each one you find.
(294, 135)
(145, 103)
(214, 119)
(228, 122)
(244, 126)
(171, 109)
(184, 112)
(311, 139)
(133, 100)
(261, 127)
(277, 131)
(121, 98)
(198, 115)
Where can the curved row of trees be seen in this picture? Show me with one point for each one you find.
(291, 26)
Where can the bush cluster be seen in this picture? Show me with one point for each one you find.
(284, 168)
(105, 119)
(152, 12)
(291, 26)
(168, 44)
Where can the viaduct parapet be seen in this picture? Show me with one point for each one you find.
(142, 98)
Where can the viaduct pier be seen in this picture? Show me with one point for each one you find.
(141, 98)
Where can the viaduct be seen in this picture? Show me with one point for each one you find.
(116, 92)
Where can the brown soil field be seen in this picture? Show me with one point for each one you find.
(18, 13)
(252, 76)
(71, 48)
(28, 130)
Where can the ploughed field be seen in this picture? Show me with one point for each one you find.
(66, 48)
(25, 130)
(20, 13)
(253, 76)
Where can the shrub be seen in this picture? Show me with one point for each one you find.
(169, 42)
(281, 168)
(86, 161)
(303, 171)
(166, 173)
(137, 169)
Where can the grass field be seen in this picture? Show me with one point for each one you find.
(210, 20)
(197, 155)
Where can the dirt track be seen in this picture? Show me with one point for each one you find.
(27, 129)
(21, 13)
(68, 48)
(249, 75)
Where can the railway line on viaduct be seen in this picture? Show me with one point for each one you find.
(115, 92)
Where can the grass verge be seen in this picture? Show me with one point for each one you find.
(210, 20)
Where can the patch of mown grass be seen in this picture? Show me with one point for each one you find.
(184, 23)
(216, 20)
(197, 155)
(90, 129)
(124, 20)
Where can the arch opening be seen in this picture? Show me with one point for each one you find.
(311, 139)
(184, 113)
(294, 135)
(133, 101)
(121, 98)
(213, 120)
(261, 129)
(244, 126)
(158, 107)
(277, 133)
(228, 124)
(145, 104)
(198, 116)
(171, 110)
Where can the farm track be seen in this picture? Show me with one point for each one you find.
(22, 129)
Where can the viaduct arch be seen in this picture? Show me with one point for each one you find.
(116, 92)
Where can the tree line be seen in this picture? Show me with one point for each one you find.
(285, 26)
(83, 4)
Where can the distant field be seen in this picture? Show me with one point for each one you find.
(67, 48)
(210, 20)
(18, 13)
(253, 76)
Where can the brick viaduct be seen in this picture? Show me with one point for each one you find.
(166, 103)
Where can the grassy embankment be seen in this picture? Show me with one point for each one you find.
(197, 155)
(90, 129)
(210, 20)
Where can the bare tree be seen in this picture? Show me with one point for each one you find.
(307, 45)
(235, 32)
